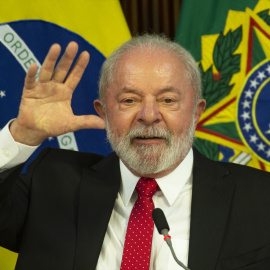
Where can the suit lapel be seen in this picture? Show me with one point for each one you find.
(211, 197)
(98, 191)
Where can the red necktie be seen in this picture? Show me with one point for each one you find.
(138, 242)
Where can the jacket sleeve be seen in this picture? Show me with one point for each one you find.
(15, 192)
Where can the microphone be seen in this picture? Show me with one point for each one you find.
(163, 228)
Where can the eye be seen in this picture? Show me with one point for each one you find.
(128, 100)
(168, 100)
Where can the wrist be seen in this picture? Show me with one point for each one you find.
(25, 135)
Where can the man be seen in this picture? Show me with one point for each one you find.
(72, 210)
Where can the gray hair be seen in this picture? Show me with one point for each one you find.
(150, 42)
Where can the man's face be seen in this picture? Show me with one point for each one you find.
(151, 112)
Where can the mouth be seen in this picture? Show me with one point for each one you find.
(145, 140)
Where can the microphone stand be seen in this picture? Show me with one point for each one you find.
(168, 240)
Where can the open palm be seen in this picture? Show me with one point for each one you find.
(45, 109)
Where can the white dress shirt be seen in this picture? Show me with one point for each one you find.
(174, 198)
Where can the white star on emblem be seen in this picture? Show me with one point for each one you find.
(268, 152)
(247, 127)
(2, 94)
(249, 93)
(253, 83)
(50, 139)
(246, 104)
(253, 138)
(261, 146)
(261, 75)
(245, 116)
(268, 131)
(268, 69)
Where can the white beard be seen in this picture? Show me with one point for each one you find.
(145, 159)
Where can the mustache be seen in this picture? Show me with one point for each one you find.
(146, 132)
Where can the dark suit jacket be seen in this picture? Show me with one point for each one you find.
(56, 216)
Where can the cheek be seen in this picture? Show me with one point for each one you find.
(120, 123)
(178, 123)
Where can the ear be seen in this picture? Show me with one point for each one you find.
(200, 107)
(99, 109)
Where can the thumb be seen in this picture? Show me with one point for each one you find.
(88, 122)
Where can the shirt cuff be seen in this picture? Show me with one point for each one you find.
(12, 153)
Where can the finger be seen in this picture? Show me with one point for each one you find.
(48, 65)
(65, 62)
(30, 78)
(87, 122)
(76, 73)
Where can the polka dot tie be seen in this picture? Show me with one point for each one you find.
(138, 242)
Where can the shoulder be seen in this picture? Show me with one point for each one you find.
(61, 159)
(236, 172)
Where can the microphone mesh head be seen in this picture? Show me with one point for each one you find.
(160, 220)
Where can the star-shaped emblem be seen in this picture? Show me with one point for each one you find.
(253, 83)
(246, 104)
(268, 131)
(245, 115)
(268, 152)
(253, 138)
(261, 75)
(2, 93)
(247, 127)
(261, 146)
(249, 93)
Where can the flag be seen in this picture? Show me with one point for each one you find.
(27, 30)
(231, 42)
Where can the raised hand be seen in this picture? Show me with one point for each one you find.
(45, 109)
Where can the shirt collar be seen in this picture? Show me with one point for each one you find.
(170, 185)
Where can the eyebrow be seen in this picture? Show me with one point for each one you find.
(135, 91)
(169, 89)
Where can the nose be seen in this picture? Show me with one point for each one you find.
(149, 113)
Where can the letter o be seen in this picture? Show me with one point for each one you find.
(7, 35)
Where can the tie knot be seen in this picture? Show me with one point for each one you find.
(146, 187)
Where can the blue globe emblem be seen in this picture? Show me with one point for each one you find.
(253, 111)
